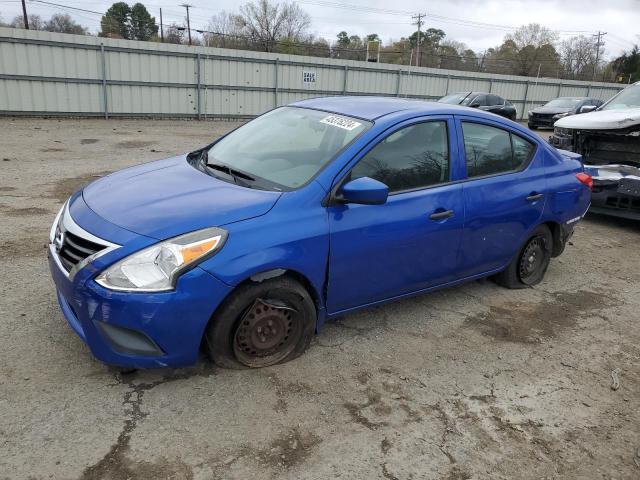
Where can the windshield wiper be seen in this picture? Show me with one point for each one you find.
(239, 177)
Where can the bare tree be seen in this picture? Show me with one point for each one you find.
(35, 22)
(63, 23)
(534, 35)
(268, 23)
(578, 55)
(225, 31)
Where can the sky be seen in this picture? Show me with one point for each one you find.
(480, 24)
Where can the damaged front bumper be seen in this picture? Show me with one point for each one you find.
(616, 190)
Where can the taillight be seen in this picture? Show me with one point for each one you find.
(585, 179)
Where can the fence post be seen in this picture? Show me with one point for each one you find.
(344, 85)
(524, 102)
(275, 83)
(490, 85)
(589, 90)
(559, 88)
(199, 86)
(446, 92)
(398, 82)
(105, 106)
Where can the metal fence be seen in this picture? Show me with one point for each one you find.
(43, 73)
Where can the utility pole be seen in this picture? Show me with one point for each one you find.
(187, 6)
(25, 19)
(418, 21)
(161, 27)
(599, 35)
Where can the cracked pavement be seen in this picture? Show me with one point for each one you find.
(472, 382)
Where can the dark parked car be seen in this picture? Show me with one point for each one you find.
(482, 101)
(546, 115)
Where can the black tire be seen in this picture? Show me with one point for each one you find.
(529, 266)
(262, 324)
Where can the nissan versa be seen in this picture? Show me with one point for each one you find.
(246, 246)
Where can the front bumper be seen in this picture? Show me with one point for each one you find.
(535, 121)
(563, 142)
(139, 330)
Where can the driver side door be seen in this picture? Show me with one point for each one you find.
(410, 243)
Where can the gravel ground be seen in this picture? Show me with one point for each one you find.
(470, 382)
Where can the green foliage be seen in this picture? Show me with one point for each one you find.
(115, 23)
(131, 23)
(627, 67)
(142, 24)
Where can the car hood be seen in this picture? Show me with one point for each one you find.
(169, 197)
(552, 110)
(602, 120)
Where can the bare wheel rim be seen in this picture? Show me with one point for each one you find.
(533, 260)
(268, 331)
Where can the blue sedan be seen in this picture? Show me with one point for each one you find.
(247, 246)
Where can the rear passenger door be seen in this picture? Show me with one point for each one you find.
(503, 194)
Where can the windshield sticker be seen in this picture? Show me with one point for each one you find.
(340, 122)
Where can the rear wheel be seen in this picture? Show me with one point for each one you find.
(529, 266)
(262, 324)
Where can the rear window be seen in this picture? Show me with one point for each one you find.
(491, 151)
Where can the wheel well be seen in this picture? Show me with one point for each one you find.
(262, 276)
(558, 238)
(280, 272)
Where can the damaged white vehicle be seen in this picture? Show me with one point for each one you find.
(609, 141)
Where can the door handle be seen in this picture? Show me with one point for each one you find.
(534, 197)
(441, 215)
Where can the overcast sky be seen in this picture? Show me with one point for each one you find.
(391, 20)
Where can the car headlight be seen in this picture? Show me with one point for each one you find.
(560, 115)
(529, 113)
(156, 268)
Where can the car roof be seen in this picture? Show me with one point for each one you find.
(371, 108)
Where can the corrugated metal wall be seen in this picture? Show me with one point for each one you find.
(44, 73)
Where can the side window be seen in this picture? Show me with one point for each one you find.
(495, 100)
(413, 157)
(479, 101)
(491, 150)
(522, 150)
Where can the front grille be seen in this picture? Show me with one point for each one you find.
(624, 203)
(75, 249)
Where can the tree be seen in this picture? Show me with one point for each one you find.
(63, 23)
(531, 48)
(115, 23)
(577, 57)
(429, 42)
(142, 26)
(174, 34)
(224, 32)
(35, 22)
(343, 39)
(626, 67)
(267, 23)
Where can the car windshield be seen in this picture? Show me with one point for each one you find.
(455, 98)
(564, 102)
(287, 146)
(627, 98)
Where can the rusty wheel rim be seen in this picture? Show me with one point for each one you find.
(532, 262)
(267, 332)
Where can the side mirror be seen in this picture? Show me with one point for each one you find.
(475, 105)
(587, 108)
(364, 191)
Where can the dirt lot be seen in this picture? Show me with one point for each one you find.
(471, 382)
